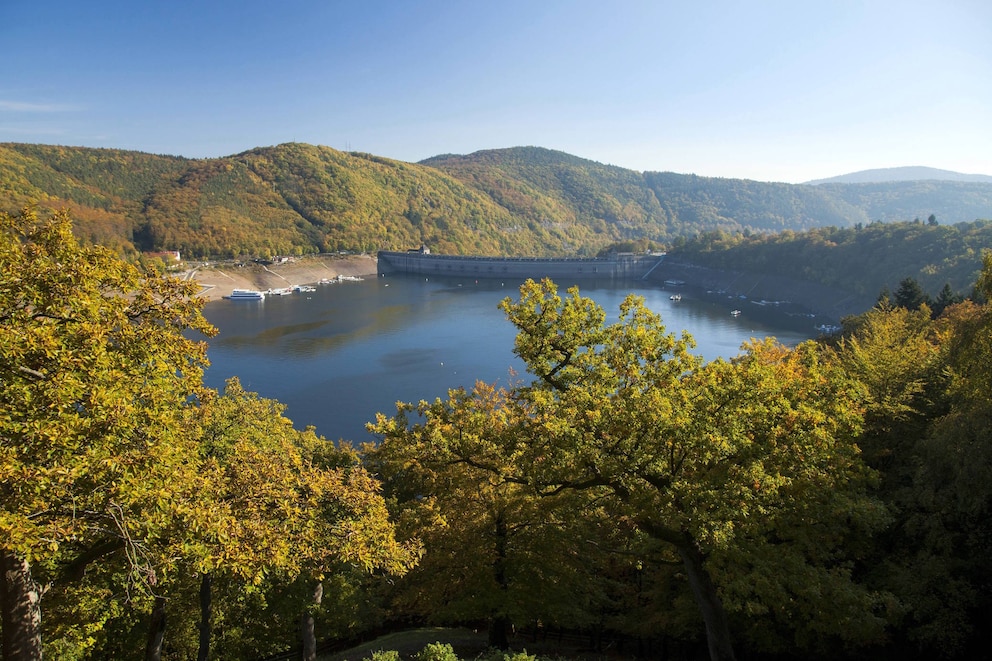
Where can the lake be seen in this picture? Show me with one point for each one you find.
(339, 354)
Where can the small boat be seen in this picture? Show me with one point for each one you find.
(675, 297)
(246, 295)
(735, 313)
(282, 291)
(304, 288)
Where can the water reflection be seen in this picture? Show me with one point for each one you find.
(338, 355)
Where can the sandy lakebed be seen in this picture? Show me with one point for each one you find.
(217, 280)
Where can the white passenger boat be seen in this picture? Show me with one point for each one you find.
(246, 295)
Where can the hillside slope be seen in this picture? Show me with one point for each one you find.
(537, 183)
(861, 260)
(290, 199)
(299, 199)
(947, 201)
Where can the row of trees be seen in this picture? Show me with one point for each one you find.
(127, 488)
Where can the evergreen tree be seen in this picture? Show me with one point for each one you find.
(910, 295)
(945, 299)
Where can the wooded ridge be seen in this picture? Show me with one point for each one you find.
(297, 199)
(863, 260)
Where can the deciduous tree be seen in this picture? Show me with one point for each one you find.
(112, 447)
(95, 374)
(494, 550)
(942, 566)
(746, 471)
(744, 467)
(274, 504)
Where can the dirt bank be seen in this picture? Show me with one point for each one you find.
(218, 279)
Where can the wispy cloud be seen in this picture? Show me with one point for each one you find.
(22, 130)
(25, 106)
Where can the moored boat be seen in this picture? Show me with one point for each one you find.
(246, 295)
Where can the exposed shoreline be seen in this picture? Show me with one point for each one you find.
(217, 280)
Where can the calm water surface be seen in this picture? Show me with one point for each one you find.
(340, 354)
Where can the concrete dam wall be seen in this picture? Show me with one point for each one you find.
(618, 267)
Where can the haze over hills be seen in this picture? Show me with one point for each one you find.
(297, 198)
(910, 173)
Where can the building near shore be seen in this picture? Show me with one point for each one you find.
(167, 255)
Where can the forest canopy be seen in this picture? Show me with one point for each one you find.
(826, 500)
(295, 199)
(864, 259)
(126, 486)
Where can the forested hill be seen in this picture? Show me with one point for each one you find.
(297, 198)
(948, 201)
(536, 183)
(863, 260)
(290, 199)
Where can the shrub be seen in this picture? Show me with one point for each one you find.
(383, 655)
(519, 656)
(437, 652)
(493, 654)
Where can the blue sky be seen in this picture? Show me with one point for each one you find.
(775, 91)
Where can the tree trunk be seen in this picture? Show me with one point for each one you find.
(20, 603)
(499, 632)
(309, 635)
(206, 604)
(499, 624)
(156, 631)
(708, 601)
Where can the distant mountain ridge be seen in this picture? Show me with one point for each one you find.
(909, 173)
(297, 198)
